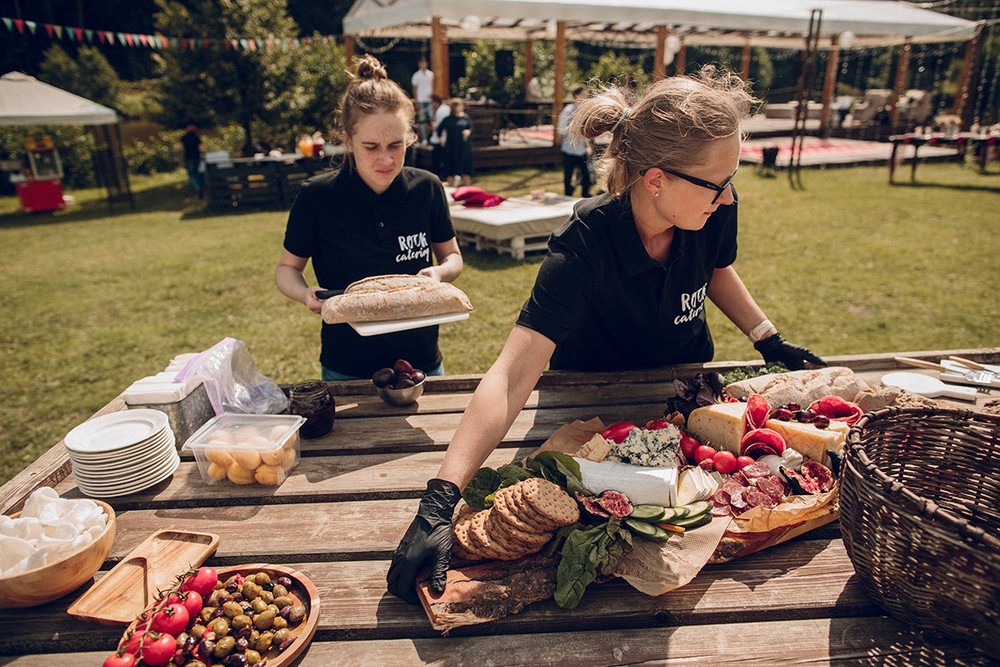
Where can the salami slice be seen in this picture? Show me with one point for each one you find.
(756, 469)
(772, 486)
(730, 487)
(721, 510)
(835, 407)
(737, 500)
(720, 497)
(756, 498)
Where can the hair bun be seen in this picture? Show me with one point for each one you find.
(370, 68)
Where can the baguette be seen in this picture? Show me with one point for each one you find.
(394, 297)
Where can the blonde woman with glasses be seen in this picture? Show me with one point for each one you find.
(625, 283)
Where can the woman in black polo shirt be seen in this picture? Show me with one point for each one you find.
(625, 281)
(372, 217)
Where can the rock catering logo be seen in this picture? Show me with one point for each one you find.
(692, 305)
(414, 246)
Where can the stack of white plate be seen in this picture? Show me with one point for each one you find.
(122, 452)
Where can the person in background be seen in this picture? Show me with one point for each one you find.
(575, 149)
(455, 132)
(625, 282)
(372, 217)
(190, 146)
(441, 111)
(423, 87)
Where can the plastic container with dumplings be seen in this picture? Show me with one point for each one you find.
(247, 449)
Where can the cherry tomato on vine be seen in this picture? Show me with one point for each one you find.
(159, 650)
(203, 581)
(137, 640)
(119, 660)
(191, 600)
(171, 619)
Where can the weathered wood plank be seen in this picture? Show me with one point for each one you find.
(804, 580)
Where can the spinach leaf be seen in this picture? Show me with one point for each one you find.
(561, 469)
(586, 553)
(512, 473)
(482, 485)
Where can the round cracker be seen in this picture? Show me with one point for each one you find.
(551, 501)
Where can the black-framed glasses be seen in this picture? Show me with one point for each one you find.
(719, 189)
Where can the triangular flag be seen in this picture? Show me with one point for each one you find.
(269, 42)
(164, 42)
(206, 43)
(90, 35)
(121, 38)
(142, 40)
(58, 29)
(48, 29)
(31, 26)
(20, 25)
(9, 23)
(79, 34)
(70, 33)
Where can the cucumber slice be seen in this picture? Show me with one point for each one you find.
(647, 530)
(648, 513)
(699, 507)
(669, 514)
(694, 521)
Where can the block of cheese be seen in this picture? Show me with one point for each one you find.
(719, 425)
(812, 442)
(655, 486)
(695, 484)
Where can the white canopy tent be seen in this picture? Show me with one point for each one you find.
(770, 23)
(24, 100)
(668, 26)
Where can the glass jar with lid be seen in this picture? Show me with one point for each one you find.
(313, 401)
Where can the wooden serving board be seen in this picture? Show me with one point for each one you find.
(131, 585)
(303, 591)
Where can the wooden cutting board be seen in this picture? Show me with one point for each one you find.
(131, 585)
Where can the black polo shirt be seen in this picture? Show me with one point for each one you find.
(607, 305)
(350, 233)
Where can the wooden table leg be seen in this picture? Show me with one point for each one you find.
(892, 160)
(913, 165)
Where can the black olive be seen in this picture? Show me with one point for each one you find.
(236, 660)
(285, 581)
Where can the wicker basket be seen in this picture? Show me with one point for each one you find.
(920, 516)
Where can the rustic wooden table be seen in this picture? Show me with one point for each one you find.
(340, 514)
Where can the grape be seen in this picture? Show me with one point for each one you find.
(821, 421)
(794, 407)
(783, 414)
(807, 416)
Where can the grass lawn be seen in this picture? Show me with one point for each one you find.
(94, 300)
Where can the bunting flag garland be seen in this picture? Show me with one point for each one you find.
(82, 35)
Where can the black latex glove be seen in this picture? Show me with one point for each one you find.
(427, 542)
(774, 348)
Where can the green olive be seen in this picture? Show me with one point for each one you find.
(197, 630)
(241, 621)
(258, 605)
(281, 635)
(206, 614)
(279, 623)
(219, 626)
(283, 601)
(263, 643)
(252, 656)
(267, 596)
(263, 578)
(297, 613)
(224, 647)
(232, 609)
(264, 620)
(250, 590)
(218, 597)
(195, 663)
(279, 590)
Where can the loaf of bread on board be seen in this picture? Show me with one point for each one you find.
(801, 387)
(394, 297)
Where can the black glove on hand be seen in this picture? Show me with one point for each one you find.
(774, 348)
(427, 541)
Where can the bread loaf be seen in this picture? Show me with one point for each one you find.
(801, 387)
(394, 297)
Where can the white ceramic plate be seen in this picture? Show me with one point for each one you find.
(129, 479)
(390, 326)
(114, 462)
(133, 487)
(115, 431)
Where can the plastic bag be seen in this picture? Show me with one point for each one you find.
(233, 382)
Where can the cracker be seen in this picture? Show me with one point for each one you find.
(550, 501)
(463, 539)
(506, 511)
(528, 514)
(517, 539)
(487, 546)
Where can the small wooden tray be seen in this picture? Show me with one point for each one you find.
(131, 585)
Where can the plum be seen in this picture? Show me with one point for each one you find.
(403, 366)
(417, 376)
(405, 383)
(383, 377)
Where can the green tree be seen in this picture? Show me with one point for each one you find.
(620, 69)
(90, 75)
(214, 85)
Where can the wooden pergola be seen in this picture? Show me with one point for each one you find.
(668, 29)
